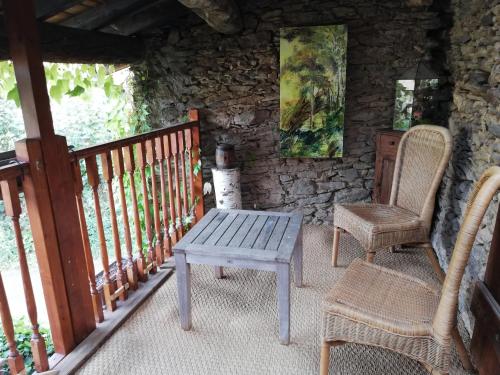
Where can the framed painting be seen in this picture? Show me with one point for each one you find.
(312, 91)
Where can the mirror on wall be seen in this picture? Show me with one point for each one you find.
(416, 102)
(403, 106)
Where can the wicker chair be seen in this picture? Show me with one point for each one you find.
(377, 306)
(423, 154)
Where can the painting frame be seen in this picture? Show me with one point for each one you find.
(313, 65)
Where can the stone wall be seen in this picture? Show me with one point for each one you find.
(234, 80)
(474, 60)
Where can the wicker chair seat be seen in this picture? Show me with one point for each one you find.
(384, 298)
(377, 306)
(377, 226)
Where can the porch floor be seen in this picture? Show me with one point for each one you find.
(235, 323)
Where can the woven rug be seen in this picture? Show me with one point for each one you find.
(235, 323)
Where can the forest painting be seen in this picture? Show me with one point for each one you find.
(312, 91)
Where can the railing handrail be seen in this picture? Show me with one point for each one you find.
(104, 147)
(13, 170)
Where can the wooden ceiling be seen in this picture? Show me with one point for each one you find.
(112, 31)
(122, 17)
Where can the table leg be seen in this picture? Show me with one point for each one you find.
(297, 261)
(283, 275)
(219, 273)
(183, 271)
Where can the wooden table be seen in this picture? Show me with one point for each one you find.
(257, 240)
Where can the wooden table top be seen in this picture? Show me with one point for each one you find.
(243, 234)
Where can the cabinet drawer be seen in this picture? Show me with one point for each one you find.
(388, 144)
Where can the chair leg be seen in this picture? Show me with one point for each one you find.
(370, 256)
(462, 352)
(335, 251)
(434, 262)
(325, 358)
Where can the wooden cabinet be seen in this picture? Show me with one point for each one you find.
(387, 142)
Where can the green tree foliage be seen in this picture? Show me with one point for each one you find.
(312, 90)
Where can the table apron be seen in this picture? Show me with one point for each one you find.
(228, 262)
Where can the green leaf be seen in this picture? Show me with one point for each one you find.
(107, 88)
(101, 73)
(14, 95)
(78, 90)
(56, 92)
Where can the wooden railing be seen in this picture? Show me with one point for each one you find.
(150, 185)
(10, 176)
(157, 178)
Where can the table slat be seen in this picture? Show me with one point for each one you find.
(217, 234)
(265, 233)
(210, 228)
(231, 231)
(254, 232)
(197, 229)
(278, 232)
(243, 231)
(285, 249)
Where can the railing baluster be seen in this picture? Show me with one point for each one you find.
(151, 159)
(89, 262)
(128, 155)
(141, 160)
(14, 360)
(118, 167)
(182, 153)
(160, 156)
(93, 179)
(189, 152)
(198, 181)
(174, 149)
(12, 206)
(168, 156)
(121, 279)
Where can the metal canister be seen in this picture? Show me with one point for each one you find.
(225, 157)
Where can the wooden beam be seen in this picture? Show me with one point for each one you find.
(159, 13)
(46, 8)
(222, 15)
(103, 14)
(51, 197)
(69, 45)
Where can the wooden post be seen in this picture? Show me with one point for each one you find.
(51, 204)
(194, 115)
